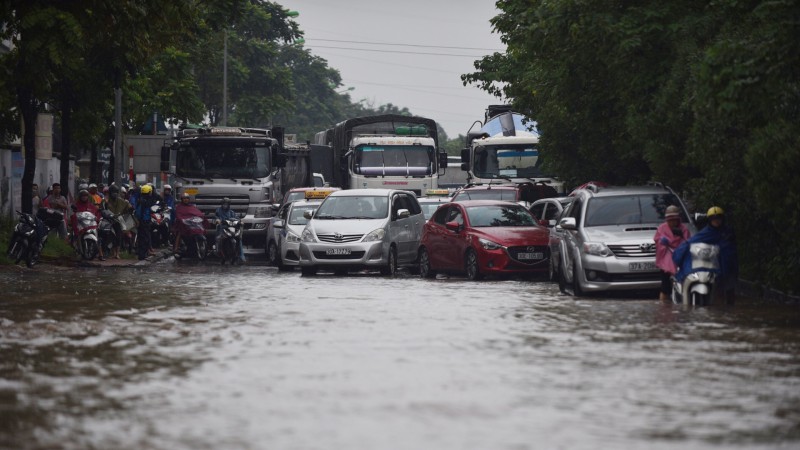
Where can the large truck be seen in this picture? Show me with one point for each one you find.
(505, 150)
(385, 151)
(252, 167)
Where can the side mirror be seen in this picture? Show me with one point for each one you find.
(544, 223)
(278, 224)
(308, 214)
(453, 226)
(403, 213)
(568, 223)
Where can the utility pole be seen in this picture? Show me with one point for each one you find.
(225, 81)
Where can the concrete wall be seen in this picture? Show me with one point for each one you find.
(12, 165)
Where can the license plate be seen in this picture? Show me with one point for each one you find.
(337, 251)
(641, 266)
(537, 255)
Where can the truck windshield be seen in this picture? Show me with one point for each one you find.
(223, 161)
(507, 161)
(388, 160)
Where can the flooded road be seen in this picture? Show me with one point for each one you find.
(181, 356)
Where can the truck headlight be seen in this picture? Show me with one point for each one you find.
(597, 249)
(308, 236)
(262, 212)
(376, 235)
(489, 245)
(291, 237)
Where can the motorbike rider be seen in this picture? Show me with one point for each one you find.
(96, 198)
(669, 235)
(715, 233)
(85, 203)
(142, 214)
(169, 200)
(183, 209)
(223, 213)
(118, 206)
(58, 202)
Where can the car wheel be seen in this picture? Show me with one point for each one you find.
(308, 271)
(425, 270)
(562, 280)
(273, 254)
(471, 265)
(551, 270)
(391, 264)
(576, 284)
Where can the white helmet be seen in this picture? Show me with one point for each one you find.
(166, 186)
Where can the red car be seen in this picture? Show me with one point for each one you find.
(483, 237)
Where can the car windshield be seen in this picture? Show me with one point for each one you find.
(629, 209)
(222, 161)
(507, 195)
(353, 207)
(296, 214)
(500, 216)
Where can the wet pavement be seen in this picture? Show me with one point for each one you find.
(198, 356)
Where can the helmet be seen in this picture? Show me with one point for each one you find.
(92, 185)
(122, 190)
(113, 189)
(83, 192)
(184, 196)
(715, 211)
(166, 186)
(146, 189)
(83, 186)
(226, 201)
(105, 190)
(672, 212)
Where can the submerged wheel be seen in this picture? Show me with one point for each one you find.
(425, 270)
(308, 271)
(562, 280)
(576, 284)
(273, 254)
(200, 247)
(471, 265)
(391, 264)
(16, 251)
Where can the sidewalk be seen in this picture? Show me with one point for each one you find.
(160, 254)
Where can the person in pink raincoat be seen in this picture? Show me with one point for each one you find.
(668, 237)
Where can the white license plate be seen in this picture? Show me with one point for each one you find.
(337, 251)
(537, 255)
(641, 266)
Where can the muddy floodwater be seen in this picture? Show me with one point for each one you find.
(186, 356)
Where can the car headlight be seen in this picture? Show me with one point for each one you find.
(291, 237)
(376, 235)
(597, 249)
(489, 245)
(308, 236)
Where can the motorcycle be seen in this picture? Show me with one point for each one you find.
(30, 235)
(84, 238)
(193, 238)
(159, 220)
(697, 288)
(230, 240)
(106, 232)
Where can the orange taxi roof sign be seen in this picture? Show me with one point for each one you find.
(318, 193)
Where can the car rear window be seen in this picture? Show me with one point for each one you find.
(629, 209)
(508, 195)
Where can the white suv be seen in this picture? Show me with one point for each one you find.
(604, 239)
(361, 229)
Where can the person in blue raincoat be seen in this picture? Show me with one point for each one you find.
(717, 232)
(222, 213)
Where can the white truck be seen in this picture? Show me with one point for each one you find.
(505, 150)
(252, 167)
(386, 151)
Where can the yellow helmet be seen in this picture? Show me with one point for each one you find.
(146, 189)
(714, 211)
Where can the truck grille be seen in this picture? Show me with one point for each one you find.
(634, 251)
(339, 238)
(208, 203)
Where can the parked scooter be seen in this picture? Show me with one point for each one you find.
(30, 235)
(84, 238)
(697, 288)
(159, 220)
(106, 232)
(229, 242)
(193, 238)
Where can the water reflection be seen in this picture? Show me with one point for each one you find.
(202, 356)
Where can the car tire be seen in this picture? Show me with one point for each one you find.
(273, 255)
(576, 284)
(391, 264)
(562, 280)
(471, 265)
(308, 271)
(425, 270)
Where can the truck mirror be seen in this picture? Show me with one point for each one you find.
(443, 160)
(465, 155)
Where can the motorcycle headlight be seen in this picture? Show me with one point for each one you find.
(597, 249)
(489, 245)
(308, 236)
(29, 232)
(375, 235)
(291, 237)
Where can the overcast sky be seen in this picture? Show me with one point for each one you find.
(402, 74)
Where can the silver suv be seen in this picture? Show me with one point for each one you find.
(604, 239)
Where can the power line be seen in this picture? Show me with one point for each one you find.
(398, 51)
(405, 45)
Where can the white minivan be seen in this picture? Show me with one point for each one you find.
(360, 229)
